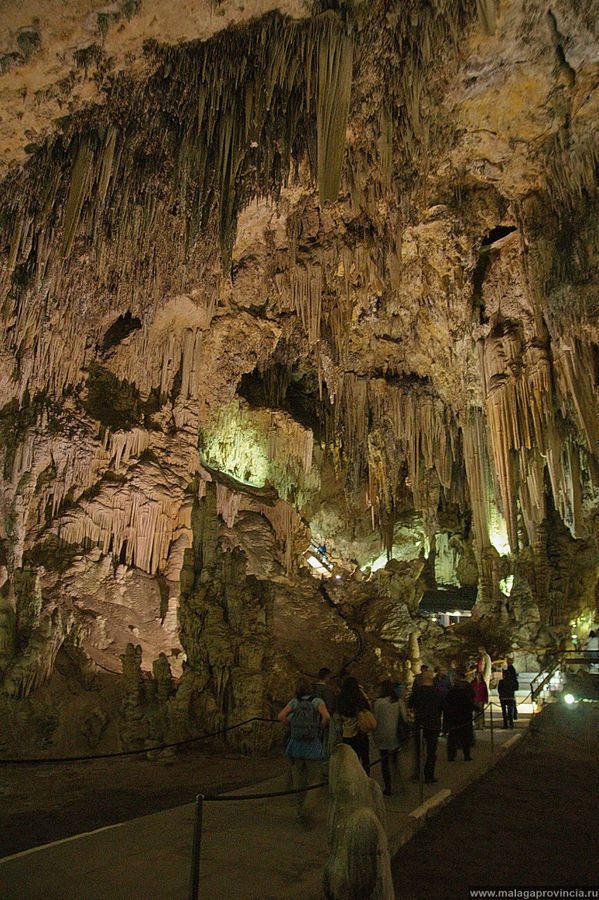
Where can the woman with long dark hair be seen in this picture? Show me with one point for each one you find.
(350, 701)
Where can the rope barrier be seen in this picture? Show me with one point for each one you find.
(288, 792)
(221, 797)
(201, 737)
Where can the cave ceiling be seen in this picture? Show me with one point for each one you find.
(334, 264)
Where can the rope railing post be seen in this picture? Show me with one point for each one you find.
(254, 747)
(194, 878)
(421, 762)
(492, 730)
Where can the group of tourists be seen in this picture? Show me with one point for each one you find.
(449, 703)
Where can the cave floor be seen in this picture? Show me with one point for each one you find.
(531, 821)
(49, 802)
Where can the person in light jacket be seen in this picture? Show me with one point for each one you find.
(388, 710)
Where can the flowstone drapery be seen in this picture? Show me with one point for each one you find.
(225, 622)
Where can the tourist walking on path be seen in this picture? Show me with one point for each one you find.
(426, 703)
(459, 704)
(350, 701)
(322, 688)
(513, 676)
(306, 715)
(441, 681)
(481, 698)
(424, 670)
(505, 689)
(388, 711)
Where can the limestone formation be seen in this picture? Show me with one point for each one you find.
(288, 290)
(358, 865)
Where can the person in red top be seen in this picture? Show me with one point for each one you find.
(481, 698)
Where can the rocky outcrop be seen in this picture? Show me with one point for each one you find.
(359, 864)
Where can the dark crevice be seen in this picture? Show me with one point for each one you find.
(496, 233)
(277, 388)
(119, 330)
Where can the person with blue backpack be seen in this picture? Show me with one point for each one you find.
(307, 716)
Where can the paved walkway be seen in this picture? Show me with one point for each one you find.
(251, 850)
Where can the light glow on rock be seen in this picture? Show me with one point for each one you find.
(498, 532)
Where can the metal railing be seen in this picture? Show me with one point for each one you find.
(562, 659)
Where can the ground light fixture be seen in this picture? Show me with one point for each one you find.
(569, 699)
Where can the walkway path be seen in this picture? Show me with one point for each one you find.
(251, 850)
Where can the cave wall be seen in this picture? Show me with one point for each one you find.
(335, 276)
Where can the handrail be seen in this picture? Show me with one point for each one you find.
(561, 657)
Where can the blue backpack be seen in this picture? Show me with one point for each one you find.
(305, 720)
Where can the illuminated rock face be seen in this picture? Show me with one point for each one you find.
(333, 277)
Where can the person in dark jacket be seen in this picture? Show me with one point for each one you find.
(459, 704)
(513, 676)
(505, 689)
(426, 703)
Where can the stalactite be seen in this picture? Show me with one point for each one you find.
(285, 521)
(79, 184)
(122, 445)
(529, 406)
(379, 427)
(143, 196)
(129, 524)
(227, 504)
(487, 14)
(573, 367)
(476, 460)
(335, 59)
(306, 289)
(572, 165)
(256, 446)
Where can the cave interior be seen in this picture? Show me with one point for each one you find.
(299, 355)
